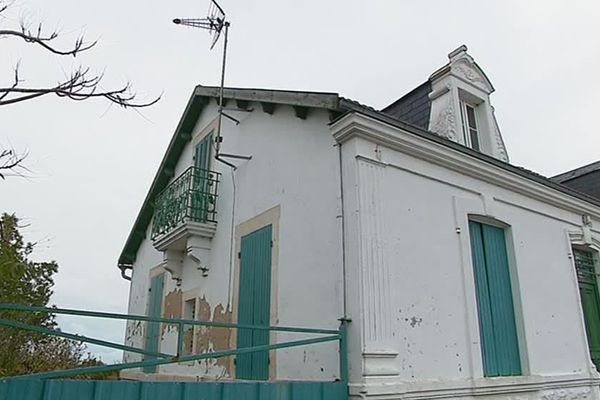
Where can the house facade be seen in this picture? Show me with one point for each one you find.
(458, 274)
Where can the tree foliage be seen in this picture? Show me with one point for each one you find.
(24, 281)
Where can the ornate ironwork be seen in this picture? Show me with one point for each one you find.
(192, 196)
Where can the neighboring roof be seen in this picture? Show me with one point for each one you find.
(584, 179)
(577, 172)
(330, 101)
(414, 107)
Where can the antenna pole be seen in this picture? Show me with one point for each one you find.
(222, 89)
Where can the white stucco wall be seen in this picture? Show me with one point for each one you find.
(294, 166)
(415, 330)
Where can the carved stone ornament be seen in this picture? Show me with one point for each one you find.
(445, 123)
(465, 69)
(567, 394)
(501, 148)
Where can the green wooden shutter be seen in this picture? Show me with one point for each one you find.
(588, 290)
(499, 342)
(155, 297)
(201, 189)
(203, 152)
(254, 303)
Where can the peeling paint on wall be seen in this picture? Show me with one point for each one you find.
(221, 337)
(172, 309)
(209, 339)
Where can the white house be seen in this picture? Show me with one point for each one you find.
(462, 275)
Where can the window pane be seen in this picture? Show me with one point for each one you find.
(471, 118)
(474, 139)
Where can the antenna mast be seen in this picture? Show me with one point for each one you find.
(215, 23)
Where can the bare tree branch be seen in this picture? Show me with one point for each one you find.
(81, 85)
(29, 37)
(12, 161)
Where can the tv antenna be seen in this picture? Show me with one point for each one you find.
(215, 23)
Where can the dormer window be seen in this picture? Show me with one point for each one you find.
(470, 125)
(455, 103)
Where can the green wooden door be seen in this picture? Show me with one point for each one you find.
(588, 290)
(254, 304)
(201, 191)
(155, 297)
(497, 327)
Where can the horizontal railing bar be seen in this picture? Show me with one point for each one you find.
(170, 321)
(195, 357)
(79, 338)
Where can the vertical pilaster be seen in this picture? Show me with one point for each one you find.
(378, 348)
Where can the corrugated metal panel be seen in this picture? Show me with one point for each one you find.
(254, 302)
(499, 342)
(29, 389)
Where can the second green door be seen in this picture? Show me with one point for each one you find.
(254, 304)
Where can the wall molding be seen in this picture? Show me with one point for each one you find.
(513, 388)
(358, 125)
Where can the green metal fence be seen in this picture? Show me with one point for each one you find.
(32, 389)
(158, 358)
(192, 196)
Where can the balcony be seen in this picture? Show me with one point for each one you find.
(186, 208)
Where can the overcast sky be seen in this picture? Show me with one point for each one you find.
(92, 164)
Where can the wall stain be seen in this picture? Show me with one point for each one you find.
(415, 321)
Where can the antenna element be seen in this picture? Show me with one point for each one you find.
(215, 23)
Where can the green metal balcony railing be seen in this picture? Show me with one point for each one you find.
(192, 196)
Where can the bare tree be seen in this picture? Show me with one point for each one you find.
(81, 84)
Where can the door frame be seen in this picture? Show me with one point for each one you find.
(269, 217)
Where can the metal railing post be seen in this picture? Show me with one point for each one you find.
(180, 333)
(344, 350)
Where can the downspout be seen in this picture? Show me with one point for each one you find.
(343, 234)
(123, 268)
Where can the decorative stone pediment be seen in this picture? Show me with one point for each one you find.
(470, 72)
(462, 66)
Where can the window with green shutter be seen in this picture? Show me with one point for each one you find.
(497, 327)
(585, 265)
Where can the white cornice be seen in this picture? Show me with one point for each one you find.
(396, 138)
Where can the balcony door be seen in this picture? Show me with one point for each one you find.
(254, 303)
(201, 198)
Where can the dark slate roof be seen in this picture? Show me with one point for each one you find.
(577, 172)
(584, 179)
(414, 107)
(329, 101)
